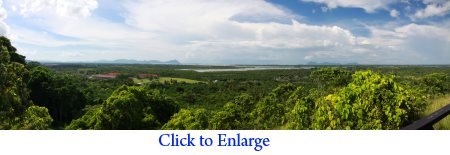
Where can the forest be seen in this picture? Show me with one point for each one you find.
(71, 96)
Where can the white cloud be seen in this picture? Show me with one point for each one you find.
(209, 20)
(222, 31)
(68, 8)
(434, 8)
(168, 29)
(412, 43)
(367, 5)
(196, 16)
(3, 14)
(394, 13)
(276, 35)
(13, 8)
(434, 1)
(4, 28)
(40, 38)
(324, 9)
(199, 24)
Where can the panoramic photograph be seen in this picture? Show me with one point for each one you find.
(224, 65)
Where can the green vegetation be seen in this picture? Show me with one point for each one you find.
(141, 81)
(129, 107)
(188, 119)
(166, 80)
(16, 109)
(370, 101)
(171, 80)
(66, 96)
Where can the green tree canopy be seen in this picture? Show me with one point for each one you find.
(59, 93)
(370, 101)
(269, 113)
(129, 107)
(331, 77)
(15, 110)
(188, 119)
(437, 82)
(14, 57)
(234, 115)
(36, 118)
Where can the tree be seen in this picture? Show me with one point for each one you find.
(437, 82)
(15, 109)
(269, 113)
(129, 107)
(188, 119)
(40, 86)
(58, 93)
(235, 115)
(300, 115)
(331, 77)
(370, 101)
(92, 119)
(13, 92)
(36, 118)
(14, 57)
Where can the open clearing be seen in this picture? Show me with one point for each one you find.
(168, 79)
(141, 81)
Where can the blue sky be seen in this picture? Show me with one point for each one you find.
(231, 31)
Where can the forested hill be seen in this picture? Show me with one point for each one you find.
(17, 111)
(71, 96)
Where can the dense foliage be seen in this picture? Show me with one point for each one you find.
(16, 110)
(129, 108)
(234, 115)
(58, 93)
(188, 119)
(370, 101)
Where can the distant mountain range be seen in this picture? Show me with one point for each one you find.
(131, 61)
(122, 61)
(330, 63)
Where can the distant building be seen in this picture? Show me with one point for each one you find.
(143, 76)
(112, 75)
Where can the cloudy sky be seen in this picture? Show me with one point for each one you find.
(231, 31)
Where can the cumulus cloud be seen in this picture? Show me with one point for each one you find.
(68, 8)
(368, 5)
(412, 44)
(4, 28)
(222, 31)
(276, 35)
(434, 8)
(211, 24)
(394, 13)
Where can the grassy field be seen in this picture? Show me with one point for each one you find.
(142, 81)
(436, 104)
(164, 79)
(168, 79)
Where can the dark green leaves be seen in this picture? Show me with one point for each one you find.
(129, 107)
